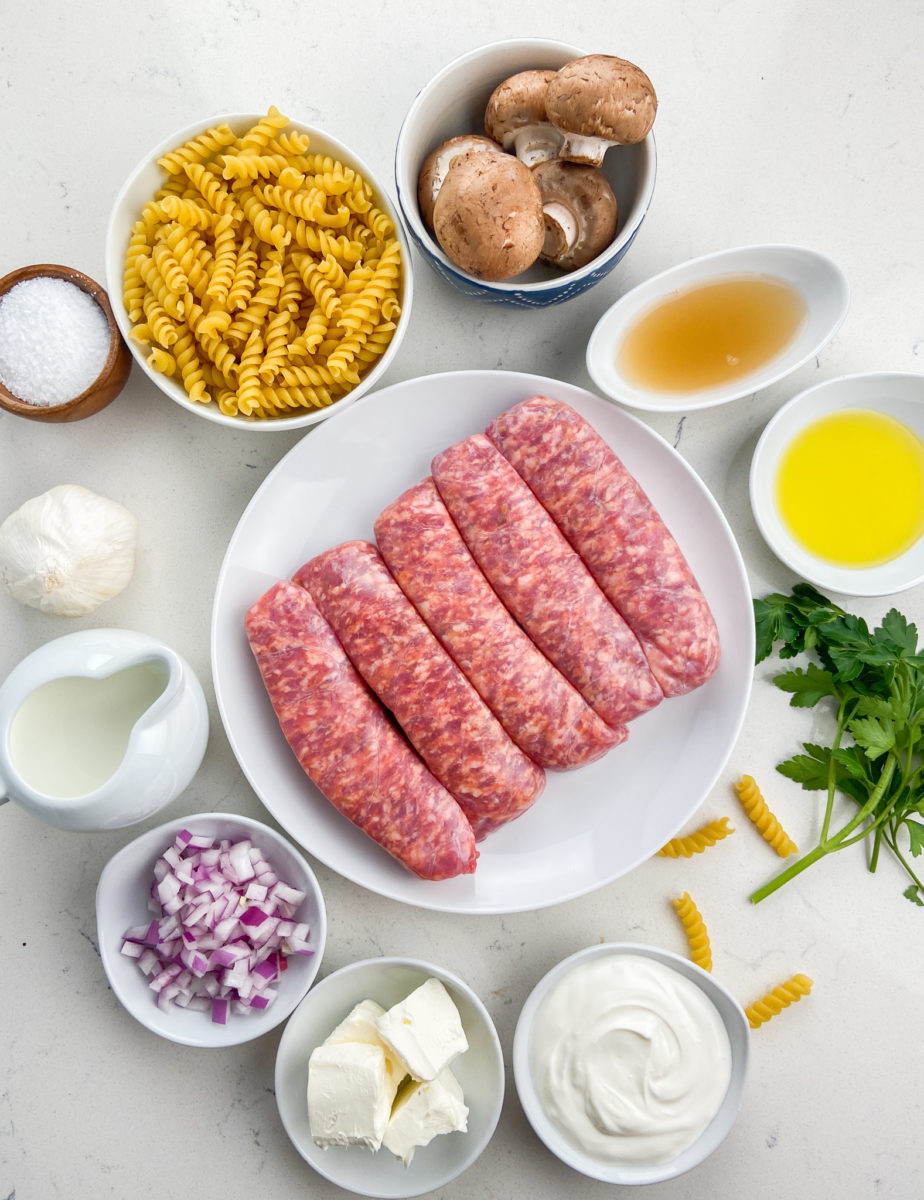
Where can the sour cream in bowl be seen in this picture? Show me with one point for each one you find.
(630, 1062)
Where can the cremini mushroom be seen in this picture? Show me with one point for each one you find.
(438, 162)
(599, 101)
(515, 117)
(579, 211)
(488, 215)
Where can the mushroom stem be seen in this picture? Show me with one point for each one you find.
(534, 144)
(561, 230)
(580, 148)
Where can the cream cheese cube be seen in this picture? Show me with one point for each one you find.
(349, 1095)
(422, 1112)
(359, 1026)
(424, 1031)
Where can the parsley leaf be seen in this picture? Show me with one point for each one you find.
(807, 686)
(874, 679)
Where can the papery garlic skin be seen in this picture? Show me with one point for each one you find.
(67, 551)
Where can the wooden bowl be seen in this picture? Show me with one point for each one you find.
(111, 378)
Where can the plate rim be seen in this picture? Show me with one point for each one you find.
(529, 384)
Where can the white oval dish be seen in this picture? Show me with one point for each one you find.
(609, 1171)
(121, 902)
(139, 188)
(898, 394)
(816, 277)
(479, 1070)
(590, 825)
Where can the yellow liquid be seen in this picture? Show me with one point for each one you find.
(709, 335)
(850, 488)
(69, 736)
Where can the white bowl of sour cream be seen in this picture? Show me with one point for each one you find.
(630, 1062)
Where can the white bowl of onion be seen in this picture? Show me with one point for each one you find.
(211, 928)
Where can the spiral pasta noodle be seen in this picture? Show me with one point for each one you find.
(261, 275)
(196, 150)
(768, 825)
(777, 999)
(695, 929)
(686, 845)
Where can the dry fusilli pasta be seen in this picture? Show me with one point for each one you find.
(777, 999)
(699, 840)
(769, 827)
(262, 276)
(695, 928)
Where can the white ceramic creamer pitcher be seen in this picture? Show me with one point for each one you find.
(100, 729)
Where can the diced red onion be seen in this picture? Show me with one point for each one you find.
(222, 929)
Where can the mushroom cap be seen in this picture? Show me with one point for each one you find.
(580, 213)
(518, 101)
(602, 96)
(488, 215)
(436, 166)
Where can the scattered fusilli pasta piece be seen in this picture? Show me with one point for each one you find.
(699, 840)
(697, 935)
(777, 999)
(767, 824)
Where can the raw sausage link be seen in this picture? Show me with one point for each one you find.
(347, 744)
(542, 580)
(607, 517)
(544, 714)
(445, 719)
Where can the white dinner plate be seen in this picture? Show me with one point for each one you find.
(590, 825)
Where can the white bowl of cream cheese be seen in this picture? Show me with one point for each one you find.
(630, 1062)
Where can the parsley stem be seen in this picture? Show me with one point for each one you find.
(837, 841)
(832, 770)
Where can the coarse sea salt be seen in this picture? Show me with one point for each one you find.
(54, 340)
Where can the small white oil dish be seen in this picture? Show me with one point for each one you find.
(613, 1018)
(479, 1071)
(717, 328)
(100, 729)
(850, 518)
(122, 896)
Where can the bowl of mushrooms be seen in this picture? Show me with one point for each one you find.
(525, 169)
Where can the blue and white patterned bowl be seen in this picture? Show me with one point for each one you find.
(453, 103)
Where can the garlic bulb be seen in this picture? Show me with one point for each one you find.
(67, 550)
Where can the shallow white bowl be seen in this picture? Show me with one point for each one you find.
(140, 187)
(899, 395)
(121, 902)
(820, 281)
(453, 103)
(736, 1025)
(480, 1072)
(590, 825)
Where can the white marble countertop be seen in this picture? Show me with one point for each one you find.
(785, 122)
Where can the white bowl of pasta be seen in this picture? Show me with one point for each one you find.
(258, 271)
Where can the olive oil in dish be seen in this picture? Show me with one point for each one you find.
(711, 334)
(850, 487)
(69, 735)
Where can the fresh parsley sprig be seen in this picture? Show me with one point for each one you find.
(875, 680)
